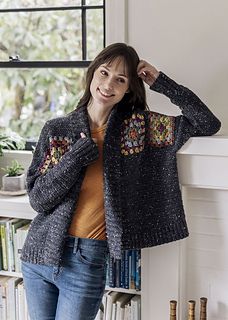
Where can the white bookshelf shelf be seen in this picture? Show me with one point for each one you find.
(10, 274)
(16, 207)
(131, 291)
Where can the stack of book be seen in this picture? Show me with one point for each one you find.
(120, 306)
(13, 304)
(126, 272)
(13, 232)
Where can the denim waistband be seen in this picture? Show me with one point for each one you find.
(72, 241)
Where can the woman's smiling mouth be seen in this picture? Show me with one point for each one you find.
(105, 94)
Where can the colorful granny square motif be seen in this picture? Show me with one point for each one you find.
(161, 131)
(133, 134)
(57, 148)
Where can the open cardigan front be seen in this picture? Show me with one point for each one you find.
(142, 198)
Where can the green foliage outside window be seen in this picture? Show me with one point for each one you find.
(29, 97)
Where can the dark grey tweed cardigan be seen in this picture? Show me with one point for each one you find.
(143, 205)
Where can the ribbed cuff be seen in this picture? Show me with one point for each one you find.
(164, 85)
(86, 150)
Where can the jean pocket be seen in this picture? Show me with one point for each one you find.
(92, 257)
(29, 270)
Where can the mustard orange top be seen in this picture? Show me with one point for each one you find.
(89, 218)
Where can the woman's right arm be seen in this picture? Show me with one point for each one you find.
(47, 189)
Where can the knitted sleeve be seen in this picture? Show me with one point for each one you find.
(47, 189)
(196, 118)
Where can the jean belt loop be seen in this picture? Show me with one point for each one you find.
(75, 245)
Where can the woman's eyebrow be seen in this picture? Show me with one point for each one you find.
(120, 74)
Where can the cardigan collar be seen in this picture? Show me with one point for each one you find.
(80, 118)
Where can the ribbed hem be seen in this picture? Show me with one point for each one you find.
(132, 240)
(37, 256)
(129, 241)
(155, 238)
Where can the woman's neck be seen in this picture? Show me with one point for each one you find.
(97, 116)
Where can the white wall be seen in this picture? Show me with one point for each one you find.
(185, 39)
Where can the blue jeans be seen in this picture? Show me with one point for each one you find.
(72, 291)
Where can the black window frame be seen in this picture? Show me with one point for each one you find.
(83, 63)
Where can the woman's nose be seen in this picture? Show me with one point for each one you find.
(109, 84)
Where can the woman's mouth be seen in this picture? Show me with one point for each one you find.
(104, 94)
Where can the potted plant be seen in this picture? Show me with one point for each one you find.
(14, 179)
(10, 140)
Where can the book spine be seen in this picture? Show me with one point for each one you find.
(15, 253)
(133, 311)
(118, 273)
(122, 270)
(126, 269)
(4, 252)
(129, 269)
(138, 270)
(1, 259)
(111, 272)
(133, 269)
(9, 246)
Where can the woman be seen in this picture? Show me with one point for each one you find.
(104, 178)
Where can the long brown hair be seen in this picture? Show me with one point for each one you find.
(136, 97)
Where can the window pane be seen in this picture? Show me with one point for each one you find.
(9, 4)
(29, 97)
(41, 35)
(94, 2)
(95, 30)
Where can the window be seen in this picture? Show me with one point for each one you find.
(45, 48)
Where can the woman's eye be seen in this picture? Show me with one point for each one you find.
(121, 80)
(103, 72)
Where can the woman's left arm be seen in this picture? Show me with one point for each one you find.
(196, 118)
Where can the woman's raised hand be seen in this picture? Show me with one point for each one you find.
(84, 136)
(147, 72)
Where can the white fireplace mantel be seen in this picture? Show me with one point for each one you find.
(203, 162)
(198, 265)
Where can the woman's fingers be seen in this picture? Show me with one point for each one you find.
(147, 72)
(82, 135)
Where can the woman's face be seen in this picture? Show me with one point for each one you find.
(109, 84)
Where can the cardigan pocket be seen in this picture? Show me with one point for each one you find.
(58, 146)
(133, 135)
(161, 130)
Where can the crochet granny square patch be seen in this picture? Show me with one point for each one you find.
(161, 130)
(58, 146)
(133, 134)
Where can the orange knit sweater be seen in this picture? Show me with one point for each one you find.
(89, 218)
